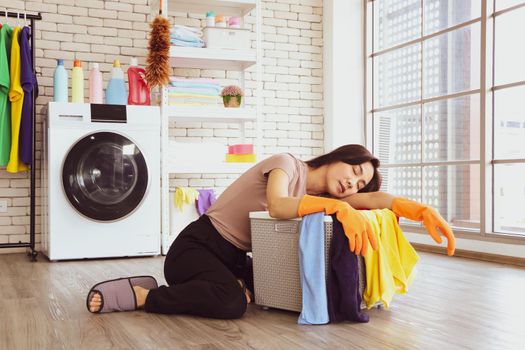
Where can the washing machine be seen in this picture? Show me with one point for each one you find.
(100, 181)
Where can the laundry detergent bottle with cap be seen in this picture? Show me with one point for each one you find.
(77, 83)
(60, 82)
(139, 93)
(96, 94)
(116, 91)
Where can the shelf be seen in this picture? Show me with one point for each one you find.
(224, 7)
(196, 57)
(209, 168)
(196, 158)
(210, 114)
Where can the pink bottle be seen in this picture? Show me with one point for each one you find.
(96, 94)
(139, 93)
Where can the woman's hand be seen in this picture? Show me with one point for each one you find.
(357, 229)
(356, 226)
(429, 216)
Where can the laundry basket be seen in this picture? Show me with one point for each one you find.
(275, 250)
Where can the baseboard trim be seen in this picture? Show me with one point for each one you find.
(502, 259)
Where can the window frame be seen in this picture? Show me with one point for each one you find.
(486, 91)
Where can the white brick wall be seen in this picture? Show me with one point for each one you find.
(100, 31)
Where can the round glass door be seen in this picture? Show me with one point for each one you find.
(105, 176)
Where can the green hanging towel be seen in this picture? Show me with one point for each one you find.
(5, 106)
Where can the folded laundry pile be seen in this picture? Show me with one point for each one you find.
(194, 92)
(186, 36)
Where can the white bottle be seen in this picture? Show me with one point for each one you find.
(96, 94)
(210, 19)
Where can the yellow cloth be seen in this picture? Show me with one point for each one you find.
(389, 269)
(16, 96)
(241, 158)
(185, 195)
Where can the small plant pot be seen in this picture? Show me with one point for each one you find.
(232, 101)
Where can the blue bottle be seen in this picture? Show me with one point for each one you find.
(60, 82)
(116, 93)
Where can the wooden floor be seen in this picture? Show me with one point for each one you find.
(454, 303)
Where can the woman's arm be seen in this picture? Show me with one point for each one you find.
(409, 209)
(280, 204)
(370, 200)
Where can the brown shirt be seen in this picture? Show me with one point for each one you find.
(230, 213)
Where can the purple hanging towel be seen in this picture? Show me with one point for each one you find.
(205, 200)
(344, 299)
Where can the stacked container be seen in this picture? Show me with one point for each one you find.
(241, 153)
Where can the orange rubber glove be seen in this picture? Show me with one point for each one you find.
(356, 226)
(429, 216)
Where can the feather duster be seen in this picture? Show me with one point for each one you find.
(158, 66)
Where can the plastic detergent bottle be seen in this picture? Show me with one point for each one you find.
(116, 91)
(60, 83)
(138, 88)
(77, 83)
(234, 22)
(220, 21)
(210, 19)
(96, 94)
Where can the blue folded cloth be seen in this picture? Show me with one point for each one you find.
(177, 42)
(312, 270)
(186, 34)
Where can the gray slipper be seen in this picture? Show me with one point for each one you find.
(118, 294)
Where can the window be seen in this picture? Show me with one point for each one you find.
(446, 114)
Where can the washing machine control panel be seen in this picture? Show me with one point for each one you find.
(102, 113)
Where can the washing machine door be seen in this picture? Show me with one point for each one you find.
(105, 176)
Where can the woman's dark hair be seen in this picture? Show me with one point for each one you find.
(353, 155)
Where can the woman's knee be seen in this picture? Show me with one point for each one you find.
(234, 308)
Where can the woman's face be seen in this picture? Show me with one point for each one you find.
(344, 179)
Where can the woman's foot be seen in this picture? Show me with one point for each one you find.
(247, 293)
(140, 295)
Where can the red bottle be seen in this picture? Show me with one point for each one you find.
(139, 93)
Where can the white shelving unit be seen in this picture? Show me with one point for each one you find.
(211, 114)
(212, 168)
(188, 57)
(196, 57)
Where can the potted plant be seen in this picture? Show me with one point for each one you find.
(232, 96)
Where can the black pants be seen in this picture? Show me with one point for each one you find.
(201, 269)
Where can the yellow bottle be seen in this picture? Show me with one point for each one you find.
(77, 83)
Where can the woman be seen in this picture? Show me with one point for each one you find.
(207, 270)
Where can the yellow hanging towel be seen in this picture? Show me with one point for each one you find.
(185, 195)
(390, 269)
(16, 96)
